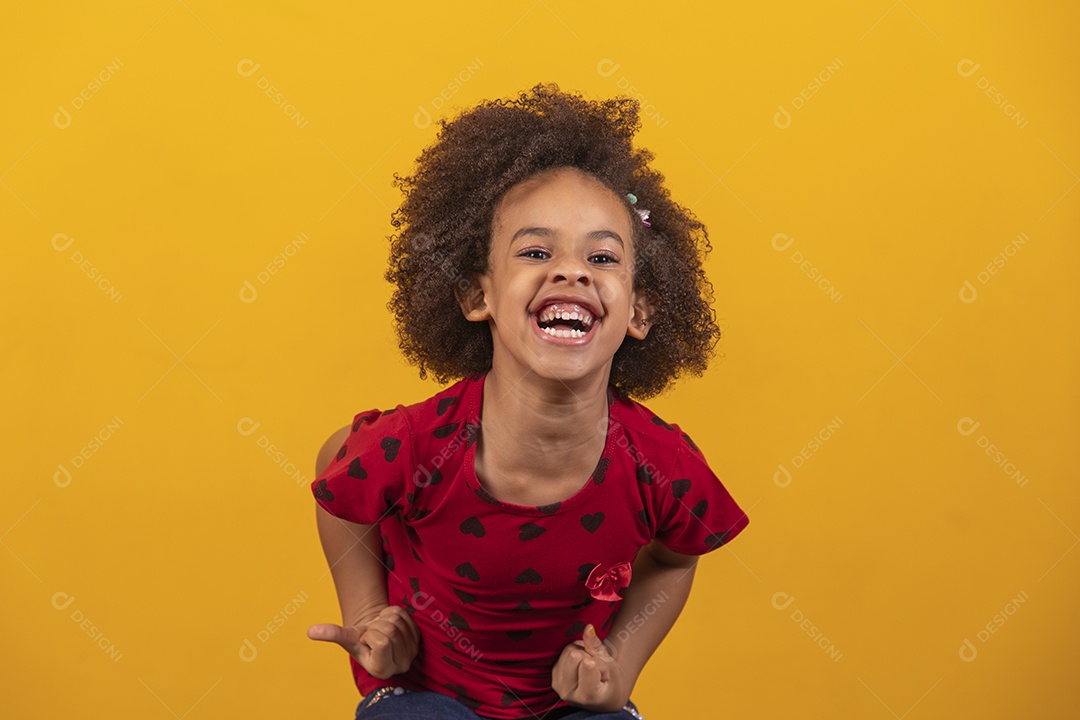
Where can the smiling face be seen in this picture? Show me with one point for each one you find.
(558, 292)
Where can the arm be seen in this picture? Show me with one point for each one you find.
(382, 637)
(600, 676)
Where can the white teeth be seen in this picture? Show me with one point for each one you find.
(551, 312)
(564, 332)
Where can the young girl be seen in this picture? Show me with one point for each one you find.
(520, 543)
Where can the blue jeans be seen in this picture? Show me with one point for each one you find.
(402, 704)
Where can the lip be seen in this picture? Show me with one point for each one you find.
(567, 299)
(577, 300)
(570, 341)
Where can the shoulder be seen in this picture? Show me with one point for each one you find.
(439, 415)
(638, 420)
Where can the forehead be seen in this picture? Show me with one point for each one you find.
(564, 188)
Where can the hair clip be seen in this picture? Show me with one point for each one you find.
(644, 214)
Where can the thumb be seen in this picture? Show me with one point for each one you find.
(346, 637)
(593, 644)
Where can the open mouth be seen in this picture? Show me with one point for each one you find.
(565, 320)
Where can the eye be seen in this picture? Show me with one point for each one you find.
(535, 253)
(604, 259)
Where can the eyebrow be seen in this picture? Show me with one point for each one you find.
(548, 232)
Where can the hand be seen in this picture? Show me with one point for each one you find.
(587, 675)
(384, 644)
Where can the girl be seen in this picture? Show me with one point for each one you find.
(520, 543)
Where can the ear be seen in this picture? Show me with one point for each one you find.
(472, 298)
(642, 315)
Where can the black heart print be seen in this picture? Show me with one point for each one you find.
(458, 622)
(680, 487)
(322, 492)
(518, 634)
(576, 629)
(528, 576)
(700, 508)
(523, 605)
(643, 475)
(445, 404)
(455, 663)
(356, 470)
(445, 430)
(690, 442)
(390, 447)
(549, 509)
(601, 470)
(530, 531)
(592, 522)
(716, 540)
(661, 423)
(466, 598)
(466, 570)
(472, 526)
(342, 452)
(486, 496)
(507, 699)
(583, 571)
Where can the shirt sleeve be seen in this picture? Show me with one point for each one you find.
(697, 514)
(366, 480)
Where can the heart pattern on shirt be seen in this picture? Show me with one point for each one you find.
(357, 470)
(529, 531)
(601, 470)
(472, 526)
(390, 447)
(445, 404)
(466, 570)
(592, 522)
(680, 487)
(322, 492)
(528, 576)
(444, 431)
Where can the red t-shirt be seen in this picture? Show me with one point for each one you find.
(497, 590)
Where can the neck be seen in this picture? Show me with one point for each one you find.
(535, 425)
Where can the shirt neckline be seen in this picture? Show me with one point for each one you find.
(475, 404)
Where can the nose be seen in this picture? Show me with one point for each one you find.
(572, 269)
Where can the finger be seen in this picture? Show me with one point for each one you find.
(593, 645)
(590, 684)
(328, 632)
(394, 630)
(401, 618)
(377, 653)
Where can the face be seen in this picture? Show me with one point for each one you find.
(558, 293)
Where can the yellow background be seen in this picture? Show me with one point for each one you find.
(897, 178)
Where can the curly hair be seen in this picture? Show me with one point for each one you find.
(444, 227)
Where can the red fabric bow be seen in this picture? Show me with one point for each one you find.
(604, 581)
